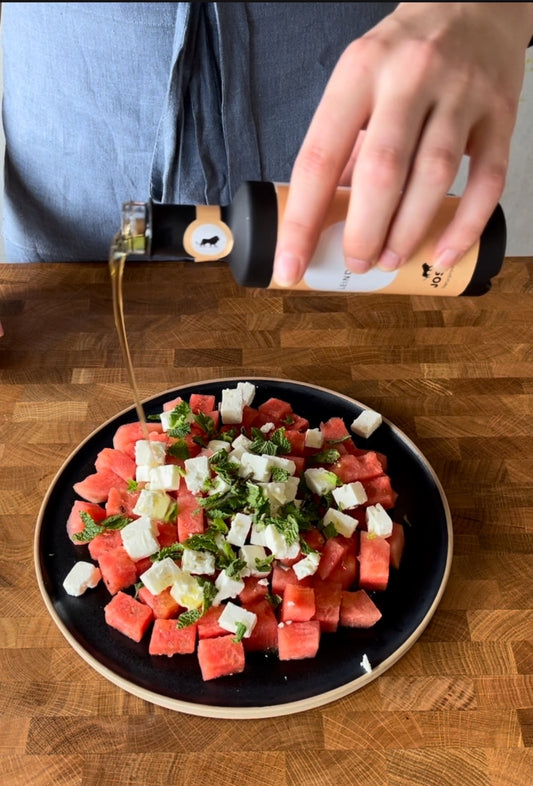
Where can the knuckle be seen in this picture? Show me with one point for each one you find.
(315, 160)
(385, 163)
(438, 165)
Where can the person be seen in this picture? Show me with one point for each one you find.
(110, 102)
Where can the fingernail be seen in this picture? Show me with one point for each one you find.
(446, 259)
(357, 265)
(389, 260)
(287, 269)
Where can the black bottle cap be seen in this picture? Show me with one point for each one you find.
(253, 218)
(491, 254)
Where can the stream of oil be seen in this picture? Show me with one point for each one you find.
(117, 261)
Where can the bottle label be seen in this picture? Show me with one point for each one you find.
(418, 276)
(207, 238)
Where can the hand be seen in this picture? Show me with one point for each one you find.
(427, 85)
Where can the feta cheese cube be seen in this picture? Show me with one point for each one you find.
(167, 417)
(350, 495)
(197, 472)
(214, 445)
(187, 591)
(240, 445)
(150, 453)
(81, 577)
(160, 575)
(313, 438)
(165, 478)
(198, 562)
(266, 428)
(218, 486)
(256, 467)
(366, 423)
(319, 480)
(307, 566)
(142, 473)
(343, 523)
(279, 493)
(239, 529)
(231, 405)
(139, 538)
(365, 663)
(247, 391)
(154, 504)
(227, 587)
(277, 543)
(250, 553)
(257, 535)
(234, 615)
(378, 520)
(283, 463)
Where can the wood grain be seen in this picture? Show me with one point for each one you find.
(455, 374)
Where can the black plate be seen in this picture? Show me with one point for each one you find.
(267, 687)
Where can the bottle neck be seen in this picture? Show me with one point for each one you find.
(179, 232)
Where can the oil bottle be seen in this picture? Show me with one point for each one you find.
(244, 234)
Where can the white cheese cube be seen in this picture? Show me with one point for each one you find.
(279, 493)
(198, 562)
(218, 486)
(240, 445)
(167, 417)
(307, 566)
(343, 523)
(313, 438)
(350, 495)
(160, 575)
(378, 520)
(247, 391)
(214, 445)
(231, 406)
(257, 535)
(256, 467)
(187, 591)
(239, 529)
(150, 453)
(266, 428)
(366, 423)
(165, 478)
(139, 538)
(154, 504)
(276, 542)
(234, 615)
(227, 587)
(197, 472)
(142, 473)
(365, 663)
(250, 553)
(81, 577)
(283, 463)
(319, 480)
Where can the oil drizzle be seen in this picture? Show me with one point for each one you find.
(117, 261)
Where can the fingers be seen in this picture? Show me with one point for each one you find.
(324, 154)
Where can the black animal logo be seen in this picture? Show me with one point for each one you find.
(210, 241)
(426, 270)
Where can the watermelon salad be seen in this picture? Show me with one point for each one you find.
(220, 528)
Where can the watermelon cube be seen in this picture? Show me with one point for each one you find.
(374, 562)
(163, 604)
(328, 596)
(74, 521)
(118, 569)
(190, 515)
(220, 656)
(264, 636)
(397, 544)
(117, 461)
(358, 610)
(298, 603)
(298, 640)
(128, 616)
(168, 639)
(96, 486)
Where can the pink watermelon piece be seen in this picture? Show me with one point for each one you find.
(117, 461)
(96, 486)
(168, 639)
(128, 616)
(74, 521)
(220, 656)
